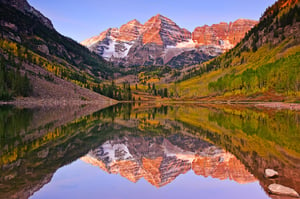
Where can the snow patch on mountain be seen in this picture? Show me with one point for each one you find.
(188, 44)
(112, 48)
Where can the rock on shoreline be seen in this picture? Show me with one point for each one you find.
(278, 189)
(270, 173)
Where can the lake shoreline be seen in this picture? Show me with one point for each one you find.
(272, 105)
(36, 102)
(280, 105)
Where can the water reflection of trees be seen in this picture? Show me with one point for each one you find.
(125, 111)
(12, 122)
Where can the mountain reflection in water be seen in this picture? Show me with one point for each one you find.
(153, 142)
(161, 159)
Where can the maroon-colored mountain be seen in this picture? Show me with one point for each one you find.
(224, 35)
(161, 40)
(163, 31)
(128, 32)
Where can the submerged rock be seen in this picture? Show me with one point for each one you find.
(270, 173)
(282, 190)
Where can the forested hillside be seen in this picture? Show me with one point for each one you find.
(36, 56)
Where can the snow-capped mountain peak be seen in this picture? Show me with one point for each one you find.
(160, 41)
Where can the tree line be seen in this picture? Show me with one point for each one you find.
(115, 92)
(153, 90)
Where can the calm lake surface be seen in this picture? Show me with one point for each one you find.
(147, 151)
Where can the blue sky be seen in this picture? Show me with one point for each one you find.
(82, 19)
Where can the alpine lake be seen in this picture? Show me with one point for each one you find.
(148, 151)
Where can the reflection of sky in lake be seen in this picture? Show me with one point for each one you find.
(82, 180)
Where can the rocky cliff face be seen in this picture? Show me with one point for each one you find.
(159, 35)
(160, 41)
(24, 6)
(130, 31)
(223, 35)
(127, 32)
(160, 160)
(161, 30)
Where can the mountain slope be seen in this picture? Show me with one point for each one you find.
(160, 40)
(30, 44)
(263, 66)
(24, 7)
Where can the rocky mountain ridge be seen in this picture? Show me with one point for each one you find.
(225, 35)
(161, 40)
